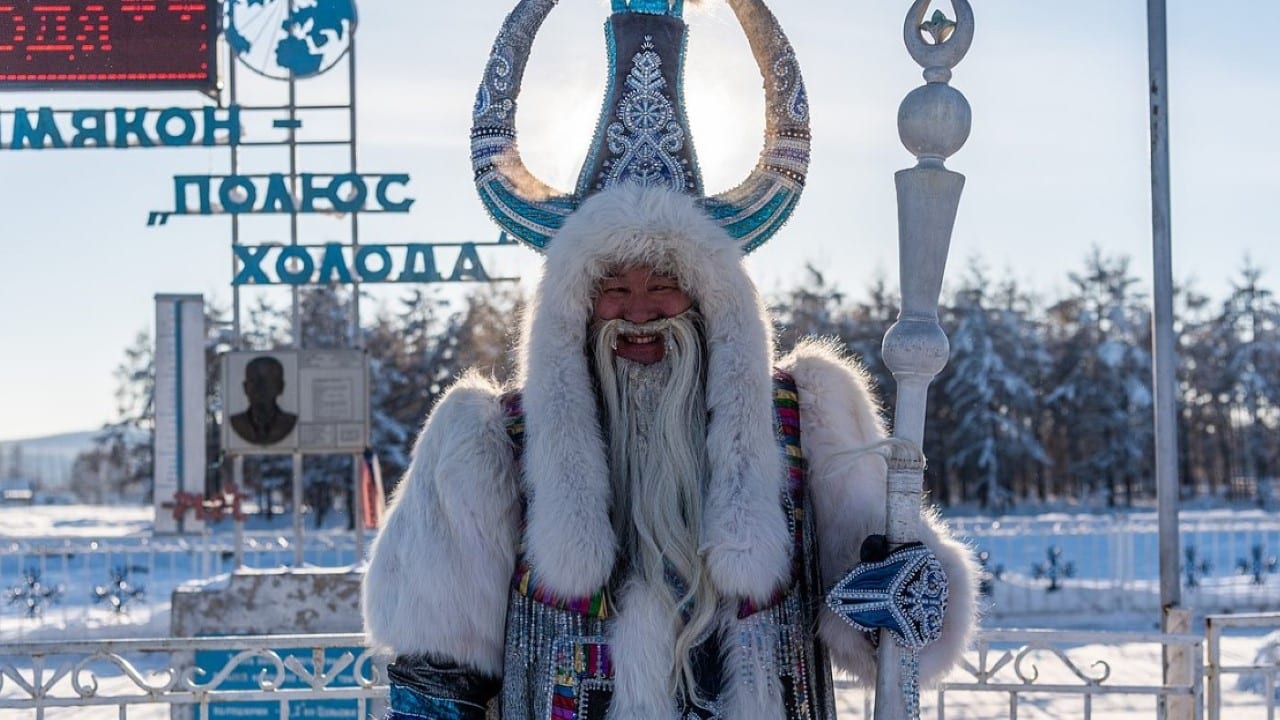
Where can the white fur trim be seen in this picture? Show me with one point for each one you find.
(440, 569)
(642, 640)
(837, 413)
(570, 540)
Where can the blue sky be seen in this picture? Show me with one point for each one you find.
(1056, 163)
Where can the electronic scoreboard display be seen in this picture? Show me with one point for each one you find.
(108, 44)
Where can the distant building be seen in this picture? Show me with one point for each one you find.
(17, 491)
(48, 461)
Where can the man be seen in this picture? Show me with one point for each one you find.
(646, 546)
(264, 422)
(648, 523)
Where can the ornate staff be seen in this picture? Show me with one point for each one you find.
(933, 123)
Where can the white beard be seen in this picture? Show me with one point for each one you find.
(656, 420)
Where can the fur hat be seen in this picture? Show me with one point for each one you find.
(642, 136)
(569, 538)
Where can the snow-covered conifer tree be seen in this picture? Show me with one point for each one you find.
(989, 385)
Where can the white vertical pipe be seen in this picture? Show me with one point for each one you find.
(1173, 618)
(298, 478)
(357, 342)
(237, 474)
(1164, 363)
(299, 533)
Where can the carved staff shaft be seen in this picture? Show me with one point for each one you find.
(933, 123)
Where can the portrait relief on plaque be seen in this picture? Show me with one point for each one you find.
(265, 418)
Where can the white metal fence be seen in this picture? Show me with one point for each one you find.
(192, 556)
(274, 677)
(1104, 564)
(1257, 675)
(1008, 674)
(1046, 671)
(1069, 674)
(1038, 566)
(79, 577)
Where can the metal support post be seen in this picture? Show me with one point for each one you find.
(237, 478)
(297, 511)
(1174, 619)
(357, 339)
(296, 316)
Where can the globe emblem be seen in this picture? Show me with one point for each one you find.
(289, 38)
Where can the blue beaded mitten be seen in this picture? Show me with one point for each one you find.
(903, 591)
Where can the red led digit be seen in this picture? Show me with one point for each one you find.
(91, 44)
(10, 19)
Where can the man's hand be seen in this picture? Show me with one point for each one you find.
(903, 591)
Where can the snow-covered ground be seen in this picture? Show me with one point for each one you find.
(76, 550)
(148, 616)
(86, 521)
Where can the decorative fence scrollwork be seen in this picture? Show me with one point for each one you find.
(1061, 673)
(1020, 664)
(284, 670)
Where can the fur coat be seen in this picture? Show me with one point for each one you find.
(440, 570)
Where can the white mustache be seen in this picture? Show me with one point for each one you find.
(612, 329)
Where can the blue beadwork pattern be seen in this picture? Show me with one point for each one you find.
(532, 223)
(648, 7)
(645, 139)
(754, 211)
(526, 208)
(793, 102)
(758, 208)
(906, 594)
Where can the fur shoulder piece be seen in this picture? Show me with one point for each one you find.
(440, 569)
(840, 388)
(839, 416)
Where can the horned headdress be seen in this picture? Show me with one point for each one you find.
(643, 134)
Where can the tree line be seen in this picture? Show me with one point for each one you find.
(1043, 400)
(1050, 400)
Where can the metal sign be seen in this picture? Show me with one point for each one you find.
(281, 40)
(109, 45)
(285, 401)
(48, 128)
(336, 263)
(275, 193)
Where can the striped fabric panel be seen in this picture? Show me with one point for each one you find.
(786, 412)
(527, 583)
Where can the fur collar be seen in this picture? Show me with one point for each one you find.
(569, 538)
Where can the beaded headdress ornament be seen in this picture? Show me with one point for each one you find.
(643, 134)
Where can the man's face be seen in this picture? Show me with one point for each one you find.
(262, 384)
(639, 295)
